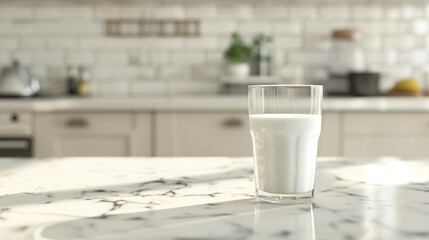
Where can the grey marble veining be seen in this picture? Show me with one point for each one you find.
(208, 198)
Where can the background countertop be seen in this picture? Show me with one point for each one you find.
(205, 102)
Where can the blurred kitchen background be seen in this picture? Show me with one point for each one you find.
(110, 48)
(51, 36)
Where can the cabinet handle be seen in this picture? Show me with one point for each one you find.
(233, 123)
(77, 123)
(14, 117)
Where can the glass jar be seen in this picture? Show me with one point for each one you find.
(346, 54)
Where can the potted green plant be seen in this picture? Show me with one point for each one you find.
(237, 56)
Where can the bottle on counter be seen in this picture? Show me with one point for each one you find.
(84, 86)
(72, 80)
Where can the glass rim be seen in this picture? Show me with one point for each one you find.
(285, 85)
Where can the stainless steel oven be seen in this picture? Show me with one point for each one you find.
(16, 147)
(16, 139)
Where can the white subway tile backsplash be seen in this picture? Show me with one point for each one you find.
(125, 73)
(399, 42)
(94, 43)
(163, 43)
(304, 12)
(412, 12)
(48, 58)
(321, 28)
(393, 13)
(288, 28)
(420, 27)
(159, 57)
(103, 73)
(202, 11)
(287, 42)
(367, 12)
(416, 57)
(170, 12)
(291, 73)
(17, 29)
(62, 43)
(273, 12)
(201, 43)
(175, 72)
(5, 59)
(112, 59)
(26, 58)
(80, 58)
(207, 72)
(77, 13)
(215, 57)
(43, 13)
(239, 12)
(134, 12)
(255, 27)
(118, 88)
(33, 43)
(10, 13)
(218, 27)
(187, 57)
(335, 13)
(309, 58)
(123, 43)
(382, 57)
(68, 27)
(8, 43)
(103, 12)
(146, 73)
(371, 43)
(319, 43)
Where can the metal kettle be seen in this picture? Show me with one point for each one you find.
(16, 81)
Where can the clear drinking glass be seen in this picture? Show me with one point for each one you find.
(285, 124)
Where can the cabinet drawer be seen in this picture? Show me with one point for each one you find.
(16, 124)
(386, 123)
(88, 122)
(203, 134)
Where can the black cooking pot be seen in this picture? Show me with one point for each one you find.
(363, 83)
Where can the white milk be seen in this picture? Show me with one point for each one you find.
(285, 151)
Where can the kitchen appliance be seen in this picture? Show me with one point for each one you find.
(16, 81)
(363, 83)
(16, 134)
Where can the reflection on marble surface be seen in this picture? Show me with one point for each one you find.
(208, 198)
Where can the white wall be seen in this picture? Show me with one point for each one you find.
(51, 35)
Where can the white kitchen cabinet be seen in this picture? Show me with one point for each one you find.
(386, 134)
(330, 137)
(223, 134)
(92, 134)
(202, 134)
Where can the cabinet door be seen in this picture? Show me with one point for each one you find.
(329, 141)
(87, 134)
(386, 134)
(203, 134)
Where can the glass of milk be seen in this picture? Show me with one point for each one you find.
(285, 124)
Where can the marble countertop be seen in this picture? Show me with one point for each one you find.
(207, 198)
(204, 103)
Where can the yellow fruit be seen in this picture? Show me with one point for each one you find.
(406, 86)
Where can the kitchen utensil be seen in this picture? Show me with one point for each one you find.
(363, 83)
(16, 81)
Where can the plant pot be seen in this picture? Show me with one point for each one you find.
(239, 70)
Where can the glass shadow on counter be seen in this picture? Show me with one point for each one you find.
(240, 219)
